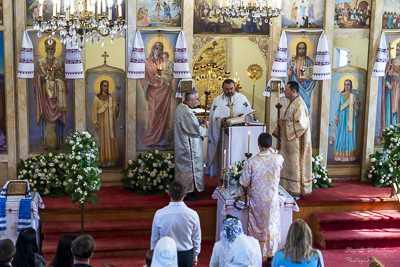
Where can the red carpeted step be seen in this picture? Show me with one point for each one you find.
(357, 220)
(98, 225)
(361, 238)
(109, 247)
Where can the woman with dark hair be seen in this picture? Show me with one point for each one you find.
(63, 257)
(27, 249)
(298, 249)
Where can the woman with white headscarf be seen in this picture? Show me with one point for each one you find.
(165, 253)
(245, 251)
(231, 228)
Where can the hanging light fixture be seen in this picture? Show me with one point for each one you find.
(260, 11)
(86, 19)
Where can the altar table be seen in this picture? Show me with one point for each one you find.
(225, 206)
(12, 211)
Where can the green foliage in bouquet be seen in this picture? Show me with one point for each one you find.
(45, 174)
(150, 174)
(235, 170)
(320, 173)
(83, 173)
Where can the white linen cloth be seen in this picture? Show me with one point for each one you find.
(322, 65)
(381, 58)
(136, 68)
(73, 62)
(179, 222)
(280, 63)
(26, 65)
(181, 63)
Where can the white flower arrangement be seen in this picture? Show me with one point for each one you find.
(320, 173)
(384, 164)
(83, 178)
(45, 174)
(150, 174)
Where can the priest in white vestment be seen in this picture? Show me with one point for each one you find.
(260, 178)
(228, 104)
(189, 165)
(295, 135)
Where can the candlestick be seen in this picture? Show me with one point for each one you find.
(209, 77)
(224, 171)
(248, 146)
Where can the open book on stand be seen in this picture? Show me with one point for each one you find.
(238, 120)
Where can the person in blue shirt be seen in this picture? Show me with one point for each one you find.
(298, 249)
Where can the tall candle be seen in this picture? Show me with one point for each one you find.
(40, 6)
(224, 158)
(54, 9)
(236, 76)
(248, 146)
(209, 76)
(103, 7)
(119, 8)
(58, 7)
(98, 7)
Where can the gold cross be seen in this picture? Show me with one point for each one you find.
(15, 228)
(105, 55)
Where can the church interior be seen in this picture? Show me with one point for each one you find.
(345, 54)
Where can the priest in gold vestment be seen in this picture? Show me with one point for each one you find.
(260, 176)
(295, 135)
(104, 114)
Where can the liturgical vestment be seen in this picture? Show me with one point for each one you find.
(296, 175)
(189, 164)
(260, 175)
(221, 108)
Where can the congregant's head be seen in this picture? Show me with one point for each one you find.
(229, 87)
(177, 190)
(82, 248)
(265, 140)
(7, 251)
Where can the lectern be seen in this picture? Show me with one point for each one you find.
(235, 139)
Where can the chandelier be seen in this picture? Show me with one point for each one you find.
(258, 11)
(87, 19)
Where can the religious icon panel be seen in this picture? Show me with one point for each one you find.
(300, 64)
(391, 14)
(32, 9)
(3, 114)
(158, 13)
(50, 96)
(303, 14)
(156, 100)
(387, 112)
(208, 20)
(105, 116)
(352, 14)
(346, 115)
